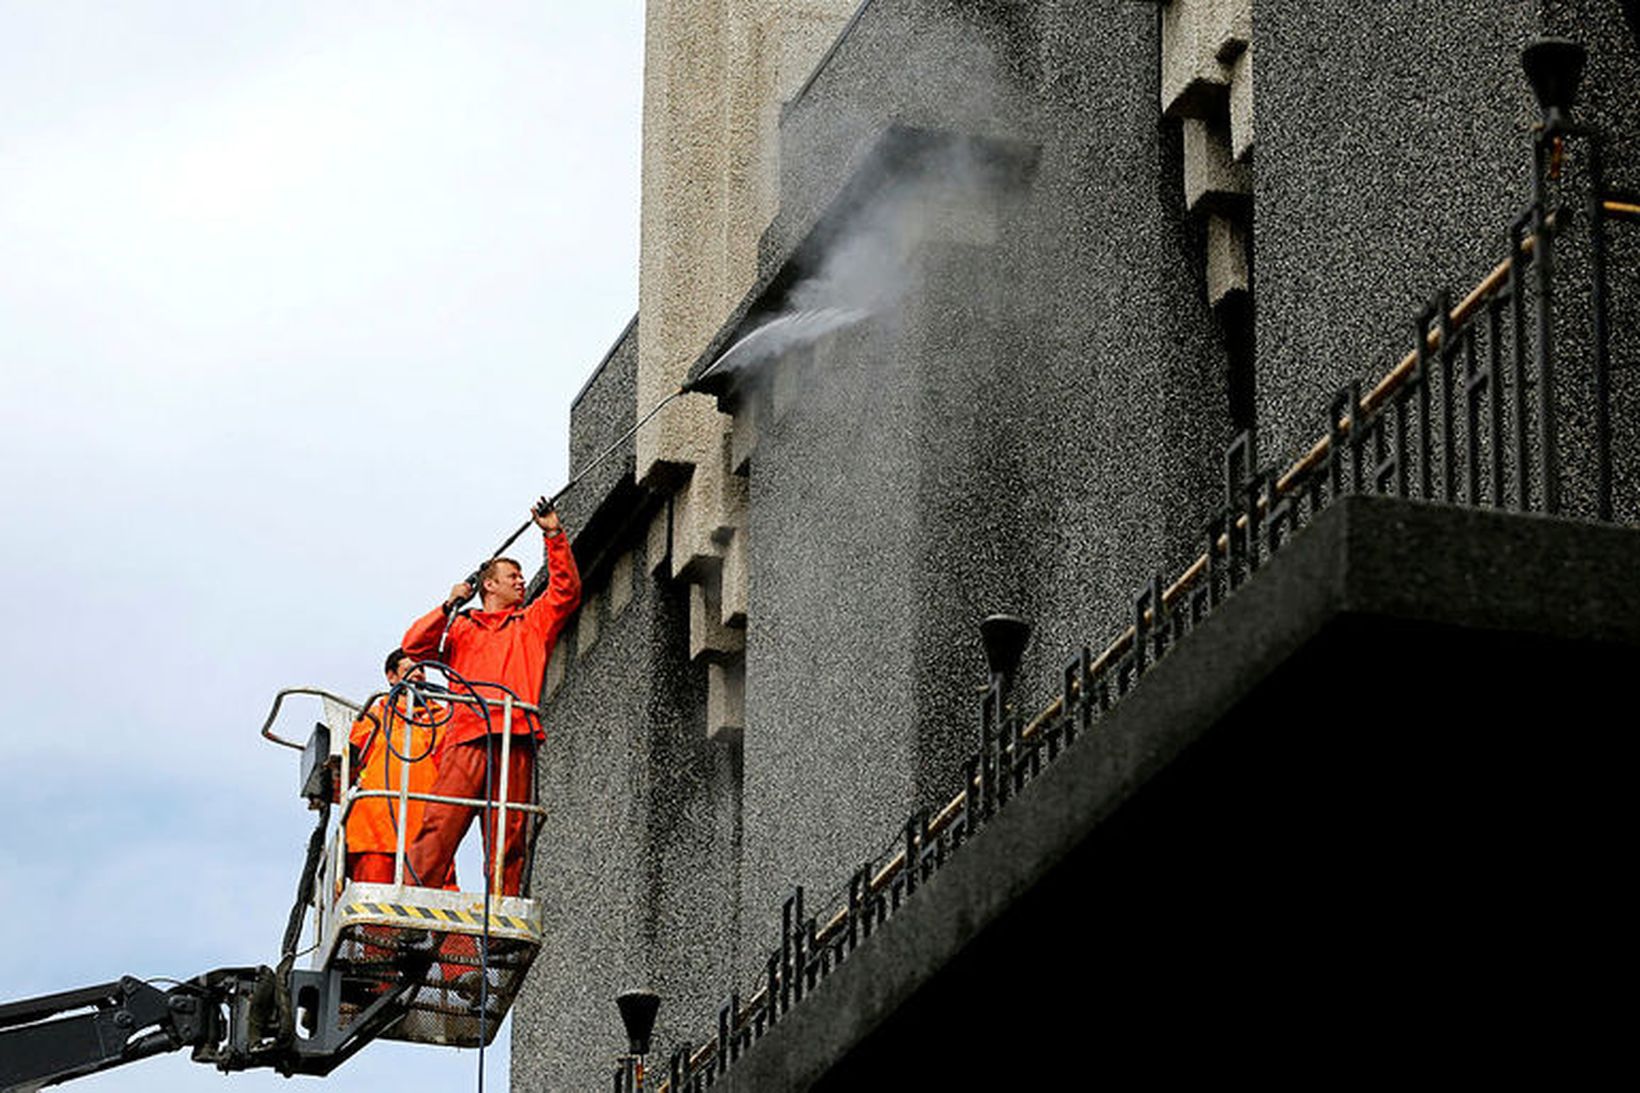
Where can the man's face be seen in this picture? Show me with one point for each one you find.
(414, 675)
(505, 585)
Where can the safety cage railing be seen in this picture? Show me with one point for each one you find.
(453, 959)
(1479, 412)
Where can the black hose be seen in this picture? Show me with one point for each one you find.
(385, 731)
(436, 722)
(391, 713)
(390, 709)
(285, 1017)
(304, 887)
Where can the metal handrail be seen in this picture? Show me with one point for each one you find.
(356, 794)
(351, 794)
(278, 700)
(1370, 402)
(360, 711)
(1381, 392)
(453, 697)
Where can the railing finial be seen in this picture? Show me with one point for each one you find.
(1004, 637)
(638, 1009)
(1554, 67)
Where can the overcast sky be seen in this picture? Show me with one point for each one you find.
(294, 298)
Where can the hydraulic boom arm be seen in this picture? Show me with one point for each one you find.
(235, 1018)
(48, 1040)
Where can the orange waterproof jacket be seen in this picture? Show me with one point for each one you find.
(373, 822)
(508, 647)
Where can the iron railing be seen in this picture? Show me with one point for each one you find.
(1470, 415)
(341, 712)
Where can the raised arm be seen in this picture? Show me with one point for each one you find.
(562, 595)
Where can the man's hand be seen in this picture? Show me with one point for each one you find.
(459, 595)
(546, 517)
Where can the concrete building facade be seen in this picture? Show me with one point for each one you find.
(1063, 255)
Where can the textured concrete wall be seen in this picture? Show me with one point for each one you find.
(637, 864)
(593, 779)
(1033, 428)
(715, 73)
(1368, 202)
(830, 715)
(602, 412)
(1610, 100)
(681, 276)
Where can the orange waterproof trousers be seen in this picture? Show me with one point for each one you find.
(378, 869)
(461, 771)
(371, 867)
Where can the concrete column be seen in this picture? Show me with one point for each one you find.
(1241, 106)
(1211, 174)
(716, 73)
(681, 288)
(1226, 258)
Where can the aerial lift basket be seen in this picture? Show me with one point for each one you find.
(430, 946)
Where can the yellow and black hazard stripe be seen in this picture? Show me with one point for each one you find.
(433, 914)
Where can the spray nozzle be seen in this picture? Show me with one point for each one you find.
(704, 384)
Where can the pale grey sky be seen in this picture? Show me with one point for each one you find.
(293, 300)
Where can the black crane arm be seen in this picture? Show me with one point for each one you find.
(232, 1018)
(56, 1037)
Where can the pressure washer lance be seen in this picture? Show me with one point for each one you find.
(548, 504)
(784, 331)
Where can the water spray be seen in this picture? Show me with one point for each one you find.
(863, 274)
(768, 340)
(785, 331)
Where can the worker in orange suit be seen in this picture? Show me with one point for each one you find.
(373, 823)
(507, 643)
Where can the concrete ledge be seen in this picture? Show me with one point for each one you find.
(1226, 258)
(1241, 106)
(1201, 40)
(1365, 814)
